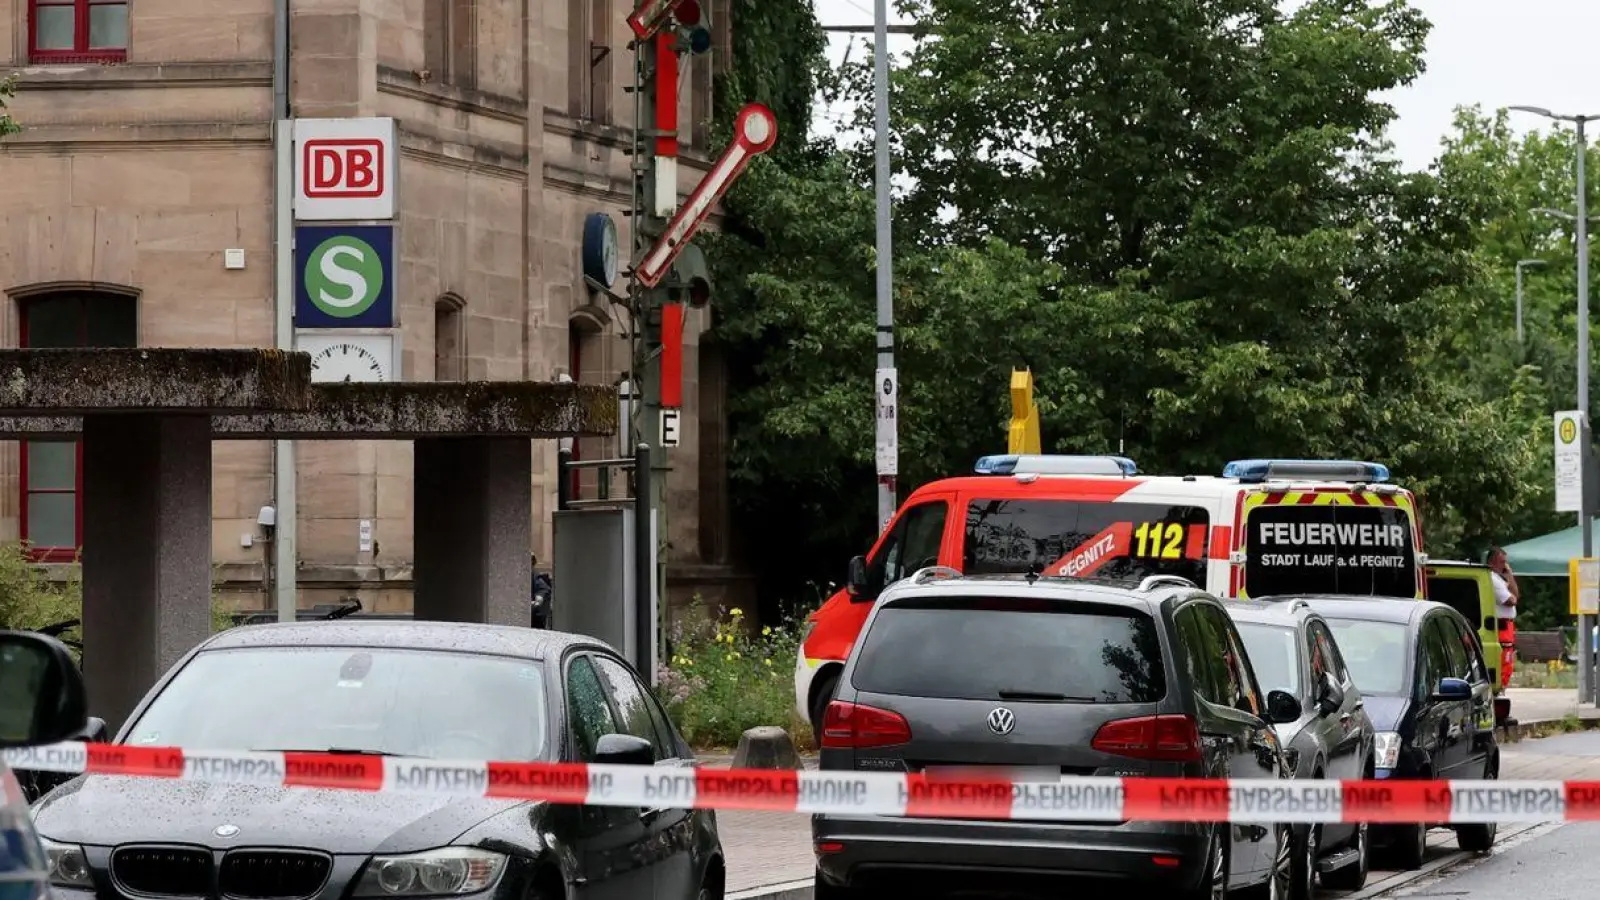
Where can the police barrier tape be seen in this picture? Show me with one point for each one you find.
(1070, 799)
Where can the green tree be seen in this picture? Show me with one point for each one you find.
(1250, 273)
(8, 88)
(1500, 178)
(795, 315)
(1180, 213)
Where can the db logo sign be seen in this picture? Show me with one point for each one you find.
(349, 168)
(344, 169)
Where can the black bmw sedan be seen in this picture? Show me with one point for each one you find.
(414, 689)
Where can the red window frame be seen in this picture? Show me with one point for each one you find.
(53, 554)
(43, 553)
(81, 52)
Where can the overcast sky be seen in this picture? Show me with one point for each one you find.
(1491, 52)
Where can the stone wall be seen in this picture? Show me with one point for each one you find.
(140, 175)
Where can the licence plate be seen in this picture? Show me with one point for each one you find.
(993, 773)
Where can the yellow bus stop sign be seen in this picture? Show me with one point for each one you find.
(1583, 586)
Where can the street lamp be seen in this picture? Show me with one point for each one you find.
(1586, 685)
(1523, 264)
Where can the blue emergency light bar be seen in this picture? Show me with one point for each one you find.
(1032, 464)
(1258, 470)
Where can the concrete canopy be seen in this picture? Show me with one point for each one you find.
(147, 418)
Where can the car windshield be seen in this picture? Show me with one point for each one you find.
(1005, 649)
(1272, 654)
(1375, 654)
(371, 699)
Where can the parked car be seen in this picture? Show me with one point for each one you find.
(41, 702)
(1055, 678)
(1427, 690)
(414, 689)
(1292, 650)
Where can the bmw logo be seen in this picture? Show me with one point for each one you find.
(226, 830)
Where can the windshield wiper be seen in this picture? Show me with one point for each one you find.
(1047, 696)
(348, 751)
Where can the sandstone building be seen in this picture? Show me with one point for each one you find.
(147, 154)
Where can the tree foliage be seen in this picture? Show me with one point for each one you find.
(1181, 214)
(8, 125)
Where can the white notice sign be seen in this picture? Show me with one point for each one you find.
(886, 386)
(669, 427)
(1569, 461)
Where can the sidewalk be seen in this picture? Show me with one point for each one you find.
(1545, 705)
(765, 849)
(769, 854)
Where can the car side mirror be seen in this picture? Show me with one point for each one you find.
(95, 731)
(44, 701)
(1331, 697)
(859, 581)
(1452, 689)
(1282, 708)
(624, 750)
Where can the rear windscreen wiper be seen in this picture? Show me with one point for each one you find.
(1046, 696)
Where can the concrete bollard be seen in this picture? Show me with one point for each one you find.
(766, 747)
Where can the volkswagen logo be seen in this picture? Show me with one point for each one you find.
(226, 830)
(1002, 720)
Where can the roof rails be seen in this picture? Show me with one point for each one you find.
(929, 573)
(1154, 581)
(1054, 464)
(1258, 470)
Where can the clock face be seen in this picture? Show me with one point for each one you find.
(609, 251)
(336, 359)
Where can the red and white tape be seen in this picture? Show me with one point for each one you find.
(1075, 799)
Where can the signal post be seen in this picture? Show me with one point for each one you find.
(669, 274)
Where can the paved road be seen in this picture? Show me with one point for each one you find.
(767, 849)
(1553, 862)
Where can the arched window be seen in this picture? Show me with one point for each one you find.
(449, 339)
(52, 471)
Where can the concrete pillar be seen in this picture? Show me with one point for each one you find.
(146, 552)
(473, 509)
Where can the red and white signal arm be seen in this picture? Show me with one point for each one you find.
(344, 169)
(650, 15)
(755, 130)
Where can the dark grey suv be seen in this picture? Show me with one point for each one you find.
(1292, 649)
(1054, 679)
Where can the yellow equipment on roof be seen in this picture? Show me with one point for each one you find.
(1023, 434)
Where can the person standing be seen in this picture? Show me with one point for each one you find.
(1506, 597)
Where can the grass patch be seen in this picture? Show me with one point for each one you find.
(725, 677)
(1553, 674)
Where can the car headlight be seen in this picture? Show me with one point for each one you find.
(67, 865)
(446, 872)
(1386, 749)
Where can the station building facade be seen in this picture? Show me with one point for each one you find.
(147, 156)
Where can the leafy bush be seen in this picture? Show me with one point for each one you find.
(33, 595)
(722, 680)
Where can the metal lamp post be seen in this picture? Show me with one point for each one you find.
(887, 389)
(1586, 685)
(1523, 264)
